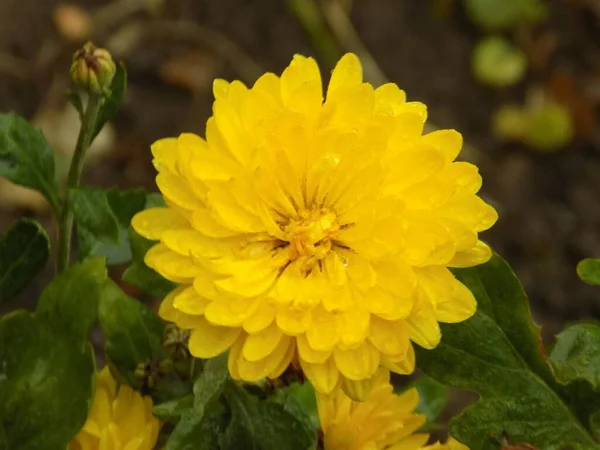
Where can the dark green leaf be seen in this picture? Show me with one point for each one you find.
(92, 211)
(24, 250)
(589, 271)
(576, 355)
(46, 384)
(139, 274)
(154, 200)
(210, 383)
(174, 409)
(498, 354)
(123, 205)
(133, 333)
(433, 397)
(204, 432)
(263, 425)
(26, 158)
(71, 300)
(301, 402)
(109, 109)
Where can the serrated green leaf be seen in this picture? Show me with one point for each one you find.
(589, 271)
(133, 333)
(24, 251)
(46, 384)
(433, 397)
(91, 211)
(139, 274)
(576, 355)
(26, 158)
(111, 105)
(497, 353)
(123, 205)
(70, 301)
(263, 425)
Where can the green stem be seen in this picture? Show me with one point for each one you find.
(84, 140)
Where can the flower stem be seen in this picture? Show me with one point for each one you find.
(86, 135)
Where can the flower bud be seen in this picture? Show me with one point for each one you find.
(92, 69)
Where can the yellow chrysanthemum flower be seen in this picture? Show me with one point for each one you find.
(120, 419)
(384, 421)
(319, 232)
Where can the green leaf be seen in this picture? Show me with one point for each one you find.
(26, 158)
(24, 250)
(263, 425)
(433, 397)
(504, 14)
(211, 382)
(75, 99)
(497, 353)
(123, 206)
(498, 63)
(301, 402)
(91, 211)
(139, 274)
(174, 409)
(46, 384)
(70, 302)
(589, 271)
(204, 432)
(111, 106)
(595, 424)
(576, 355)
(133, 333)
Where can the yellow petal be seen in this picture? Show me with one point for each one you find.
(347, 72)
(386, 305)
(404, 364)
(293, 321)
(423, 327)
(230, 312)
(166, 310)
(166, 153)
(389, 337)
(324, 377)
(259, 345)
(473, 256)
(453, 301)
(256, 370)
(387, 97)
(323, 333)
(171, 265)
(471, 211)
(358, 363)
(309, 354)
(449, 141)
(153, 222)
(190, 302)
(285, 361)
(301, 88)
(208, 340)
(177, 191)
(220, 88)
(205, 222)
(261, 318)
(354, 326)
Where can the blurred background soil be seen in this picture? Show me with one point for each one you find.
(548, 199)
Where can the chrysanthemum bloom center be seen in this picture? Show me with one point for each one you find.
(311, 235)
